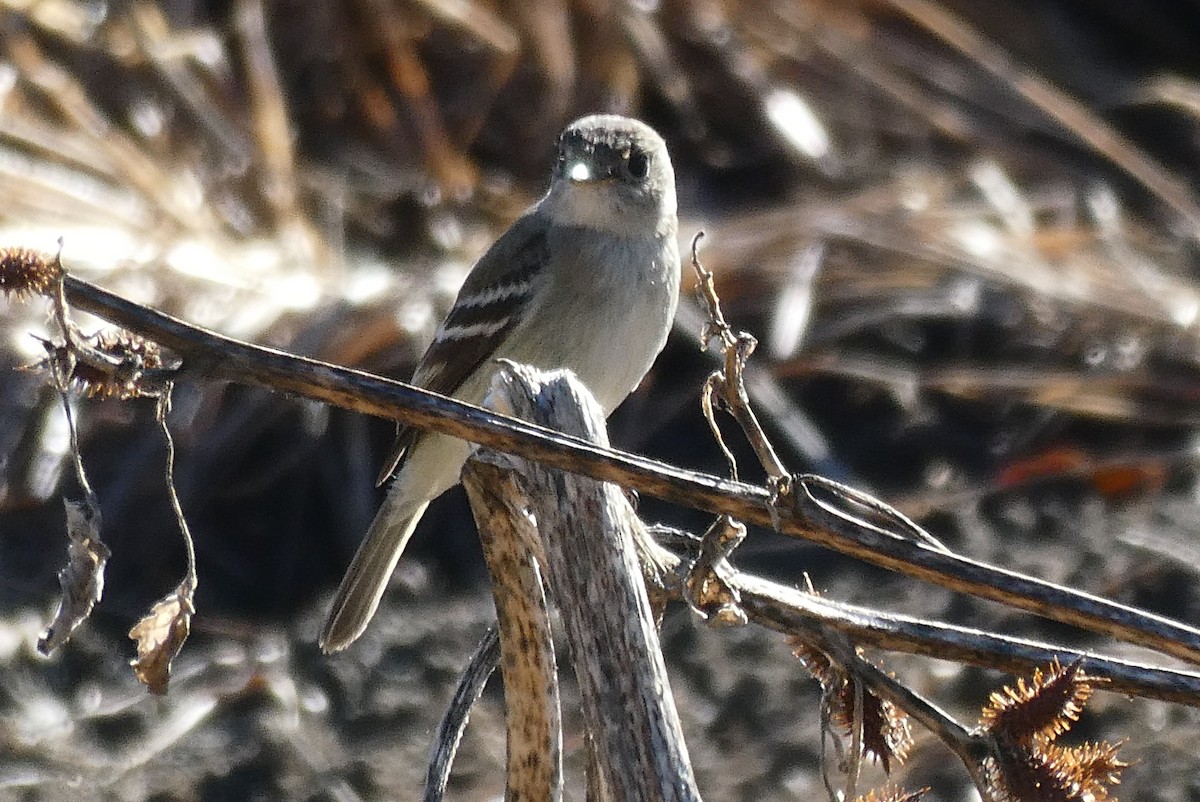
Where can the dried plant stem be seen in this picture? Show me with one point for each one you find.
(969, 748)
(191, 580)
(62, 382)
(450, 731)
(792, 425)
(210, 356)
(590, 558)
(82, 578)
(730, 385)
(515, 563)
(62, 365)
(736, 349)
(788, 610)
(161, 633)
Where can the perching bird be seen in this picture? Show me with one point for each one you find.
(587, 279)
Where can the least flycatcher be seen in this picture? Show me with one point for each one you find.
(586, 279)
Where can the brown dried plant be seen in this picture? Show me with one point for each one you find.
(119, 365)
(885, 733)
(1028, 764)
(25, 272)
(891, 793)
(160, 635)
(1044, 708)
(114, 364)
(1072, 272)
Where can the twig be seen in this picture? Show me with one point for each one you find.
(82, 578)
(791, 423)
(450, 731)
(969, 749)
(163, 406)
(737, 349)
(788, 610)
(212, 356)
(161, 633)
(848, 495)
(730, 386)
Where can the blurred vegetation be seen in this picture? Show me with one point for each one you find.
(965, 234)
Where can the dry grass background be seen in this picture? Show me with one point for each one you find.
(966, 235)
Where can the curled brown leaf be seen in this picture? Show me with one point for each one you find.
(160, 634)
(82, 578)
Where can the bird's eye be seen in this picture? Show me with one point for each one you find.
(639, 163)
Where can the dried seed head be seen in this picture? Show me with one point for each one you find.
(1045, 707)
(117, 365)
(25, 272)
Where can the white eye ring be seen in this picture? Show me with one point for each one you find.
(579, 172)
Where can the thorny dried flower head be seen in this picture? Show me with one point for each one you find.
(892, 793)
(885, 731)
(25, 272)
(113, 363)
(1044, 708)
(1025, 721)
(118, 373)
(1053, 773)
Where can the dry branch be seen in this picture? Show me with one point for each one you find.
(514, 556)
(588, 532)
(207, 355)
(591, 549)
(471, 683)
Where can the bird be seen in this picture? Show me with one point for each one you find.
(587, 278)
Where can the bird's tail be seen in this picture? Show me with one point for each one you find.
(369, 573)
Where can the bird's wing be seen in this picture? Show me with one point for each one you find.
(493, 300)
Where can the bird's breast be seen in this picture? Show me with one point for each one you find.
(605, 314)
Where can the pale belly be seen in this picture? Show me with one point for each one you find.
(609, 357)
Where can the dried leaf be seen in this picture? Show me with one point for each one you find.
(160, 635)
(1044, 708)
(82, 578)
